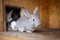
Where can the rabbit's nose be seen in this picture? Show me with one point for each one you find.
(37, 23)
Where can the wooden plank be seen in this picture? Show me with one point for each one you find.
(1, 16)
(30, 36)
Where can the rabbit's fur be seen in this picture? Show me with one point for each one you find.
(9, 18)
(29, 22)
(12, 16)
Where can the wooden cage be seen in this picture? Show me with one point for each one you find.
(49, 13)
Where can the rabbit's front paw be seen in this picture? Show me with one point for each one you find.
(21, 29)
(29, 31)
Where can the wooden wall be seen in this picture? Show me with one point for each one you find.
(54, 14)
(1, 16)
(30, 5)
(49, 11)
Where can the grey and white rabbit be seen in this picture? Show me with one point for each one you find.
(12, 20)
(9, 18)
(29, 22)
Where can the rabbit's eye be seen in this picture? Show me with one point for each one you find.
(33, 19)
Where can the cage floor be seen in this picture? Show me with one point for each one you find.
(34, 36)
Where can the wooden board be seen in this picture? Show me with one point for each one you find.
(29, 36)
(1, 16)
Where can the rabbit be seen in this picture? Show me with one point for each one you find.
(29, 22)
(12, 26)
(11, 20)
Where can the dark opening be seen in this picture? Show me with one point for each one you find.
(15, 14)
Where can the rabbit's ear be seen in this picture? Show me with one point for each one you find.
(35, 10)
(9, 16)
(10, 13)
(26, 12)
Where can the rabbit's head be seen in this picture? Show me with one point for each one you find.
(32, 17)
